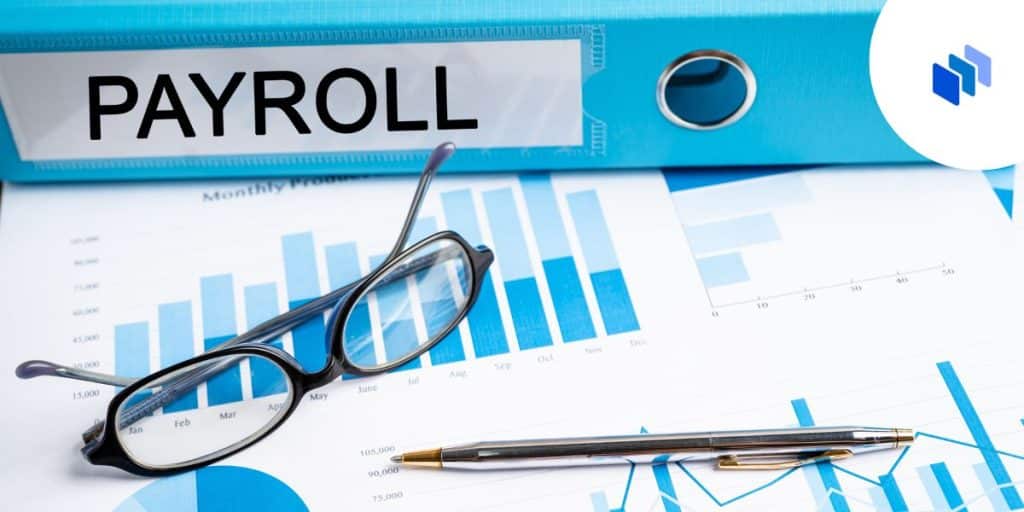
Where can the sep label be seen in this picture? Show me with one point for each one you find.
(299, 99)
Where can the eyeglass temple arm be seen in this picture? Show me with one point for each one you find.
(262, 333)
(437, 157)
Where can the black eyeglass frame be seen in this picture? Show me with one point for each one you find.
(103, 445)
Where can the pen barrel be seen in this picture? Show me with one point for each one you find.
(665, 448)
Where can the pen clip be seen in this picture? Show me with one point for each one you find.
(772, 461)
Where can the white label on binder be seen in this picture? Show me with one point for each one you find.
(309, 99)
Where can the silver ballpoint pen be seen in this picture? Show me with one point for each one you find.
(741, 449)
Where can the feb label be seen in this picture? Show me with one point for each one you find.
(294, 99)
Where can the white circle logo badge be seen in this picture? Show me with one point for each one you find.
(948, 76)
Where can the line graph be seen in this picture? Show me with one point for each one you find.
(885, 490)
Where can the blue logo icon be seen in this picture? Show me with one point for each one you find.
(962, 75)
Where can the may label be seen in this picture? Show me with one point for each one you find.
(296, 99)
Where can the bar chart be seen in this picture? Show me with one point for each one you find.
(945, 486)
(757, 235)
(542, 312)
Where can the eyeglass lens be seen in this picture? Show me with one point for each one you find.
(408, 306)
(156, 432)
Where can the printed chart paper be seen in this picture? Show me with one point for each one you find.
(656, 301)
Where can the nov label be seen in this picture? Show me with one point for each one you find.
(297, 99)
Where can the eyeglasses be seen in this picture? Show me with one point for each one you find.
(143, 434)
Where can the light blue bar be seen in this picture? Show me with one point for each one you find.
(131, 350)
(722, 270)
(544, 215)
(599, 501)
(342, 264)
(598, 250)
(300, 267)
(424, 227)
(261, 305)
(666, 489)
(175, 328)
(825, 469)
(460, 215)
(485, 325)
(893, 494)
(988, 450)
(700, 205)
(931, 485)
(732, 234)
(510, 245)
(994, 496)
(218, 299)
(218, 305)
(948, 487)
(879, 500)
(304, 285)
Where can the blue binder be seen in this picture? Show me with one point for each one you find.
(131, 90)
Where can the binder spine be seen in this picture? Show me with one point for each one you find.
(618, 124)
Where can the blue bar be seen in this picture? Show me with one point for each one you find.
(825, 469)
(571, 310)
(722, 270)
(131, 350)
(527, 313)
(741, 198)
(303, 286)
(981, 438)
(989, 485)
(599, 501)
(218, 299)
(521, 289)
(665, 487)
(949, 490)
(485, 324)
(614, 302)
(725, 235)
(893, 494)
(509, 244)
(399, 330)
(609, 285)
(175, 327)
(342, 270)
(260, 306)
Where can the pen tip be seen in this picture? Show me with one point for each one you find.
(397, 459)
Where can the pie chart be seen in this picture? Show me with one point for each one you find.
(215, 488)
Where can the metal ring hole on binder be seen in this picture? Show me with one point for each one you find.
(706, 90)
